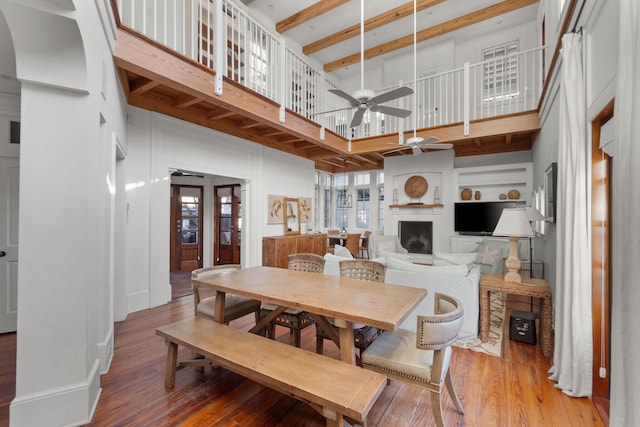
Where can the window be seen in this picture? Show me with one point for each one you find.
(362, 208)
(342, 213)
(500, 72)
(326, 207)
(380, 200)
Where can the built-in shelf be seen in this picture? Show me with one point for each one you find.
(493, 181)
(416, 206)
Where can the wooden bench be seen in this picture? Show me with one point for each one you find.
(335, 389)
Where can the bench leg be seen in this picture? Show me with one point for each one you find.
(172, 360)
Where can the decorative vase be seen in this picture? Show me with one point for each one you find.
(466, 194)
(436, 195)
(478, 195)
(503, 196)
(513, 194)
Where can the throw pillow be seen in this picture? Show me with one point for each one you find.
(388, 254)
(487, 255)
(467, 258)
(341, 251)
(387, 246)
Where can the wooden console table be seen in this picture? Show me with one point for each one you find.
(276, 249)
(536, 288)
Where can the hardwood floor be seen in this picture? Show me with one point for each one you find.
(512, 390)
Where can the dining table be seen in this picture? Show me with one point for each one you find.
(351, 241)
(347, 301)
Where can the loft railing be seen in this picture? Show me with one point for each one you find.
(251, 55)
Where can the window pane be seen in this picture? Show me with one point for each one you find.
(189, 209)
(189, 237)
(362, 208)
(189, 224)
(225, 209)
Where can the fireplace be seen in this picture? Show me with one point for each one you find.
(416, 236)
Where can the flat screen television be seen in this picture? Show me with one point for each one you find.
(478, 218)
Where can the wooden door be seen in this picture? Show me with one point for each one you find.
(601, 231)
(186, 227)
(9, 186)
(228, 224)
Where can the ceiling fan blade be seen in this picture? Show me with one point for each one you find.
(357, 118)
(330, 111)
(392, 94)
(344, 95)
(397, 149)
(392, 111)
(415, 149)
(436, 146)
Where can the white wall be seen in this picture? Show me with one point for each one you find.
(71, 114)
(438, 162)
(159, 143)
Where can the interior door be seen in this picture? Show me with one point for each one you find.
(186, 227)
(9, 186)
(228, 224)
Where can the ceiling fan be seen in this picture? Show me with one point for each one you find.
(364, 99)
(418, 143)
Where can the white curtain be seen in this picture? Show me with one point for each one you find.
(572, 359)
(625, 334)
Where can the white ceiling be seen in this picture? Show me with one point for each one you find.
(348, 14)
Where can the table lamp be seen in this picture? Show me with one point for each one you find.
(514, 224)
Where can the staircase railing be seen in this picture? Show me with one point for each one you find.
(222, 36)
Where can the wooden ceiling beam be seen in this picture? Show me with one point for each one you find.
(248, 124)
(370, 24)
(273, 132)
(429, 33)
(186, 101)
(219, 116)
(142, 85)
(307, 14)
(364, 159)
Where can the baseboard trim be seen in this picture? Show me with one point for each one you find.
(72, 405)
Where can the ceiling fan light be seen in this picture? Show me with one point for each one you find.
(414, 140)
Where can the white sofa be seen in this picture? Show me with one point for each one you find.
(437, 279)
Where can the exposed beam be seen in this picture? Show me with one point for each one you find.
(247, 124)
(508, 139)
(273, 132)
(142, 85)
(307, 14)
(364, 159)
(219, 116)
(437, 30)
(370, 24)
(186, 101)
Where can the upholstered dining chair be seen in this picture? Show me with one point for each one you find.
(295, 320)
(364, 245)
(235, 306)
(363, 335)
(421, 358)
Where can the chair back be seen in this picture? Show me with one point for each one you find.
(363, 270)
(441, 329)
(313, 263)
(205, 272)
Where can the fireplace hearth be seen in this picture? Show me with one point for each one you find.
(416, 236)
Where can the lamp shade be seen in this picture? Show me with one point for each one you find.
(513, 223)
(534, 214)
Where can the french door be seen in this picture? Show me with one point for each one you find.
(228, 224)
(186, 227)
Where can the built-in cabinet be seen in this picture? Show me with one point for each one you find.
(492, 181)
(276, 249)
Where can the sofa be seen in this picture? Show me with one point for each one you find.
(461, 281)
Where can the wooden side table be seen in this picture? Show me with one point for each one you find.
(536, 288)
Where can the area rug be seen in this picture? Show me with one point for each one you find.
(493, 345)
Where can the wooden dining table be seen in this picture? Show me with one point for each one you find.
(347, 301)
(351, 241)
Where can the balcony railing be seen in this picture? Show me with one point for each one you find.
(221, 36)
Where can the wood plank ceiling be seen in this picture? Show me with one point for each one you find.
(157, 79)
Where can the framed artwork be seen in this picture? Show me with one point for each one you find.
(276, 210)
(550, 187)
(305, 209)
(292, 214)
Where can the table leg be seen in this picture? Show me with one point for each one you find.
(545, 326)
(220, 299)
(172, 359)
(347, 347)
(485, 314)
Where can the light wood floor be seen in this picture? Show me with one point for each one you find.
(512, 390)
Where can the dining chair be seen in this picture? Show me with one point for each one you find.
(422, 358)
(295, 320)
(352, 243)
(363, 335)
(235, 306)
(331, 243)
(364, 245)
